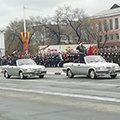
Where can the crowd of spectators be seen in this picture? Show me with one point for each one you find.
(51, 58)
(54, 58)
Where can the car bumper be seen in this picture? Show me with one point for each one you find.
(107, 72)
(35, 73)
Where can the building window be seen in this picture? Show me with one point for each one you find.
(117, 36)
(116, 23)
(100, 38)
(111, 36)
(105, 37)
(105, 25)
(111, 24)
(100, 27)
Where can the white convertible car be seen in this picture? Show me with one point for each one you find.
(24, 68)
(93, 66)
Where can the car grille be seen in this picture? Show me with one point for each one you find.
(111, 68)
(36, 70)
(108, 68)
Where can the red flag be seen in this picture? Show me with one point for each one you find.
(25, 40)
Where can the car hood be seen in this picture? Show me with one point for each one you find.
(98, 64)
(105, 64)
(32, 66)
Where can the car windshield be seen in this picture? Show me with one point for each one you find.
(26, 62)
(94, 59)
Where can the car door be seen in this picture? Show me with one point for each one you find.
(15, 70)
(81, 69)
(73, 68)
(77, 68)
(8, 68)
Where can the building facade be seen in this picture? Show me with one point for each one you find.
(109, 26)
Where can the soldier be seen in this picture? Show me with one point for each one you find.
(82, 52)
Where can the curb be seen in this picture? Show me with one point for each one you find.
(55, 73)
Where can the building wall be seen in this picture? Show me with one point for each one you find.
(107, 18)
(112, 31)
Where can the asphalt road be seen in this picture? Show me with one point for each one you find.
(58, 97)
(22, 108)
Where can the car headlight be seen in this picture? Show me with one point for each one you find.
(27, 70)
(100, 68)
(24, 69)
(43, 68)
(117, 67)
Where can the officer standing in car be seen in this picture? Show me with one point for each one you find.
(82, 51)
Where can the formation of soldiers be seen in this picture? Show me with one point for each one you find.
(110, 55)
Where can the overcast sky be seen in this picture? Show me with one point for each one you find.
(12, 9)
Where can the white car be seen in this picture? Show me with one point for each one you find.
(24, 68)
(93, 66)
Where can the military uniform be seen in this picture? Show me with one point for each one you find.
(82, 52)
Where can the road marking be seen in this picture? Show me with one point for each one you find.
(64, 94)
(70, 82)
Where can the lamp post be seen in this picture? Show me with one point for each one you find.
(24, 20)
(25, 34)
(2, 43)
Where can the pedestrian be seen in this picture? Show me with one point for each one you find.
(82, 52)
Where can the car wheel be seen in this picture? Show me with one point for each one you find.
(6, 75)
(92, 74)
(70, 74)
(113, 76)
(41, 76)
(21, 75)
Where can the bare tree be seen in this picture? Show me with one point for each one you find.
(93, 29)
(73, 18)
(66, 24)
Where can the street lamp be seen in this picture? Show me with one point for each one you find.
(25, 35)
(24, 19)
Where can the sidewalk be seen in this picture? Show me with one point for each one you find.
(55, 70)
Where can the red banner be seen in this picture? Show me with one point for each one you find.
(25, 41)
